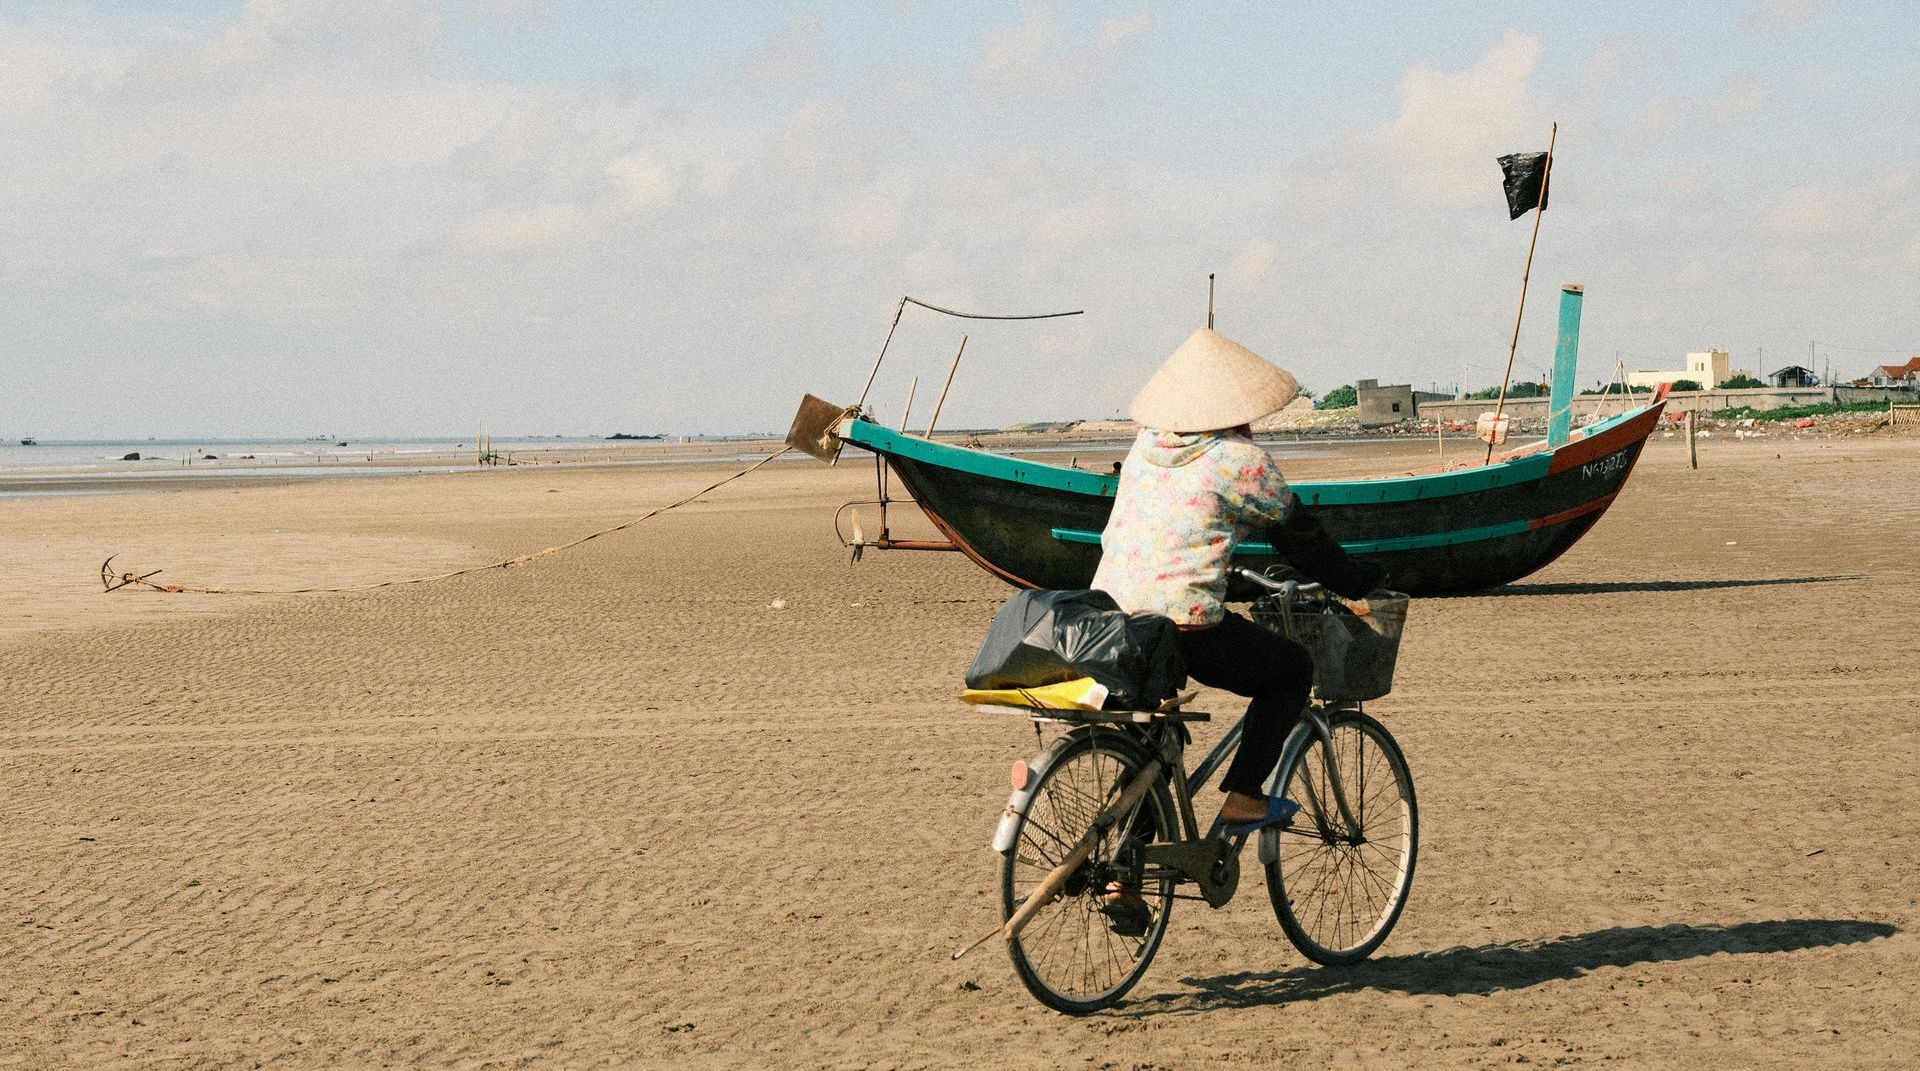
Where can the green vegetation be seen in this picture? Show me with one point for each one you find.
(1741, 383)
(1687, 384)
(1614, 388)
(1517, 390)
(1340, 398)
(1794, 412)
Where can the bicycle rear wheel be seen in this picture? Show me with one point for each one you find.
(1070, 956)
(1338, 890)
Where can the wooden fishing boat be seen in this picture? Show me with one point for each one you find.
(1454, 530)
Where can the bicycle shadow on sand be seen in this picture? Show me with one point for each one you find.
(1484, 969)
(1620, 587)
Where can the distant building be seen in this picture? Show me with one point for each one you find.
(1794, 376)
(1709, 368)
(1896, 375)
(1381, 406)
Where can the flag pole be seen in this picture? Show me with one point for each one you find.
(1514, 344)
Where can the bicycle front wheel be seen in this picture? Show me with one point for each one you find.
(1073, 956)
(1339, 877)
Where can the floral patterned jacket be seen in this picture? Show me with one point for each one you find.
(1185, 502)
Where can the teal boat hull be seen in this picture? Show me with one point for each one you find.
(1461, 530)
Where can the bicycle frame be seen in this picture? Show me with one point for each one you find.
(1209, 861)
(1145, 841)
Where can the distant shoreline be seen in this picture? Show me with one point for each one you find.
(94, 468)
(237, 471)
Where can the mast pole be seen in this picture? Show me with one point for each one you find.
(908, 411)
(942, 400)
(1527, 273)
(897, 310)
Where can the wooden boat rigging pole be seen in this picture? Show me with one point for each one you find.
(1539, 210)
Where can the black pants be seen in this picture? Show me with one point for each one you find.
(1274, 671)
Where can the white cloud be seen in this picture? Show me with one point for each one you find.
(1439, 150)
(1740, 97)
(1683, 189)
(1783, 14)
(1808, 210)
(367, 37)
(289, 184)
(35, 70)
(643, 180)
(285, 291)
(1256, 265)
(1881, 205)
(542, 226)
(795, 59)
(814, 143)
(1853, 240)
(506, 9)
(1651, 123)
(1613, 65)
(1693, 275)
(1040, 57)
(1116, 30)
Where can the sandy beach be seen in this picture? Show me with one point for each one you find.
(613, 808)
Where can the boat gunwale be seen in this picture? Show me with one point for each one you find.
(1521, 466)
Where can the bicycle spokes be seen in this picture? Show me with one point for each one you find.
(1072, 883)
(1339, 878)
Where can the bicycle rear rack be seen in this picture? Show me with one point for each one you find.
(1098, 717)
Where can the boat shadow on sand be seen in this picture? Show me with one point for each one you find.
(1485, 969)
(1630, 586)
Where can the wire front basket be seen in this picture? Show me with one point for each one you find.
(1353, 657)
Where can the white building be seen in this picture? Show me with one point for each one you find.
(1709, 368)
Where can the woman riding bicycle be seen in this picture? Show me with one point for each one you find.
(1192, 488)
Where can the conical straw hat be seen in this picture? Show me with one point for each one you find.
(1212, 382)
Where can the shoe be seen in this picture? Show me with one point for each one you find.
(1280, 811)
(1127, 914)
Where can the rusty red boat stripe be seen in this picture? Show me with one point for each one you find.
(1564, 516)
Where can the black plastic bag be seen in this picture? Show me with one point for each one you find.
(1044, 637)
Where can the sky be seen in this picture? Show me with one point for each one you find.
(388, 217)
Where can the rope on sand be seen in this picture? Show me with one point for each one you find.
(112, 581)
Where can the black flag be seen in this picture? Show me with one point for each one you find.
(1526, 182)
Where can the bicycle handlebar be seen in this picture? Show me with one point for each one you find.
(1277, 586)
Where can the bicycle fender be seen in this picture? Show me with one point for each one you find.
(1269, 845)
(1005, 833)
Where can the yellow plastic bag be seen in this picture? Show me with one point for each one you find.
(1081, 693)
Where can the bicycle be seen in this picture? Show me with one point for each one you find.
(1109, 805)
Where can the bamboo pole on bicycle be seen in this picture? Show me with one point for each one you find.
(1049, 888)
